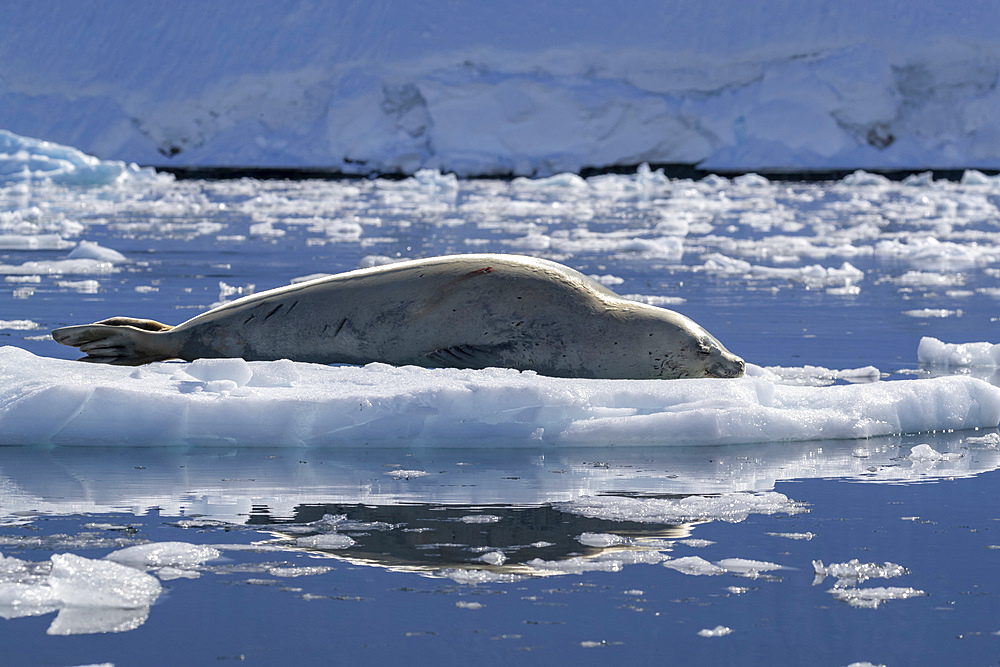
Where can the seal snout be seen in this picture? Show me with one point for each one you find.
(729, 366)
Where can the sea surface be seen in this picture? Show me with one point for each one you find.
(879, 551)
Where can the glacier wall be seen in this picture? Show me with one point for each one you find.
(522, 87)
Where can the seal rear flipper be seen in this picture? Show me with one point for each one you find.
(119, 341)
(466, 356)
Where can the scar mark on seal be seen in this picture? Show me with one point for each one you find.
(292, 307)
(247, 320)
(340, 326)
(273, 311)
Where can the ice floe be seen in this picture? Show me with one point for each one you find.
(229, 401)
(934, 352)
(90, 595)
(24, 159)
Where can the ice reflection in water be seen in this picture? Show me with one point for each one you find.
(474, 516)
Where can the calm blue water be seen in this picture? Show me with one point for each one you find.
(398, 593)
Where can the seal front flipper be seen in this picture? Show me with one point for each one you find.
(122, 341)
(465, 356)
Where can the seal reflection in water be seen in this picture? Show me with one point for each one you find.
(460, 311)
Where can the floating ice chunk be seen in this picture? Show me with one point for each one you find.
(325, 541)
(164, 554)
(750, 568)
(58, 267)
(564, 180)
(751, 181)
(717, 631)
(477, 576)
(871, 598)
(575, 565)
(226, 291)
(479, 518)
(716, 181)
(407, 474)
(18, 325)
(305, 571)
(928, 279)
(493, 558)
(976, 177)
(923, 453)
(266, 229)
(991, 440)
(656, 299)
(817, 376)
(696, 542)
(601, 539)
(82, 286)
(434, 180)
(865, 178)
(923, 179)
(23, 159)
(462, 604)
(813, 276)
(794, 536)
(855, 572)
(91, 250)
(933, 312)
(607, 279)
(930, 253)
(33, 242)
(694, 565)
(731, 507)
(85, 582)
(91, 595)
(935, 352)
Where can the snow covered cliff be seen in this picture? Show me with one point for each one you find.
(519, 87)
